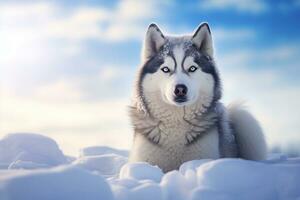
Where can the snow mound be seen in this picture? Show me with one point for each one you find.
(19, 164)
(107, 165)
(101, 150)
(103, 173)
(141, 171)
(210, 179)
(59, 183)
(242, 179)
(24, 150)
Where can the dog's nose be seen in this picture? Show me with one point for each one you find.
(180, 90)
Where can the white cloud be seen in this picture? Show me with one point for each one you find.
(59, 91)
(234, 34)
(251, 6)
(83, 23)
(129, 19)
(219, 33)
(47, 21)
(22, 31)
(20, 11)
(135, 9)
(273, 55)
(125, 21)
(111, 73)
(282, 52)
(37, 37)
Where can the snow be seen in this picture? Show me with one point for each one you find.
(65, 182)
(33, 167)
(29, 149)
(100, 150)
(113, 164)
(141, 171)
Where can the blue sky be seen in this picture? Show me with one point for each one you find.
(68, 67)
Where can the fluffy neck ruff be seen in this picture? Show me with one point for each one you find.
(152, 117)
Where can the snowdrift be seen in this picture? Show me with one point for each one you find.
(33, 167)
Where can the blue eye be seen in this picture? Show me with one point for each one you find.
(192, 68)
(165, 69)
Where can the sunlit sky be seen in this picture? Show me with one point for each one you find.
(67, 68)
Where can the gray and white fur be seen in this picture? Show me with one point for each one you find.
(176, 110)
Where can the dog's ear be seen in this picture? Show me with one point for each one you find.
(203, 40)
(154, 40)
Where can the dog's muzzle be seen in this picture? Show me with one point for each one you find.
(180, 93)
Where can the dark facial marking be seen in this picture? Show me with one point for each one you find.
(152, 65)
(183, 70)
(207, 65)
(175, 67)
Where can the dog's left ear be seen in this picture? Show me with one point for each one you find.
(203, 40)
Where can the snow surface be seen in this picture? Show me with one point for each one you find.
(107, 165)
(33, 167)
(100, 150)
(23, 150)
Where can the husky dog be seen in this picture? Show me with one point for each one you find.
(176, 111)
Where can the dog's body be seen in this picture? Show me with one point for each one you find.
(176, 112)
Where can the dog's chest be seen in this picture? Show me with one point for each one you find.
(174, 139)
(173, 129)
(172, 149)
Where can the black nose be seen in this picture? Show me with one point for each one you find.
(180, 90)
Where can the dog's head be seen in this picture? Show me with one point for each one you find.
(179, 70)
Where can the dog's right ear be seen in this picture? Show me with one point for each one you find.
(154, 40)
(203, 40)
